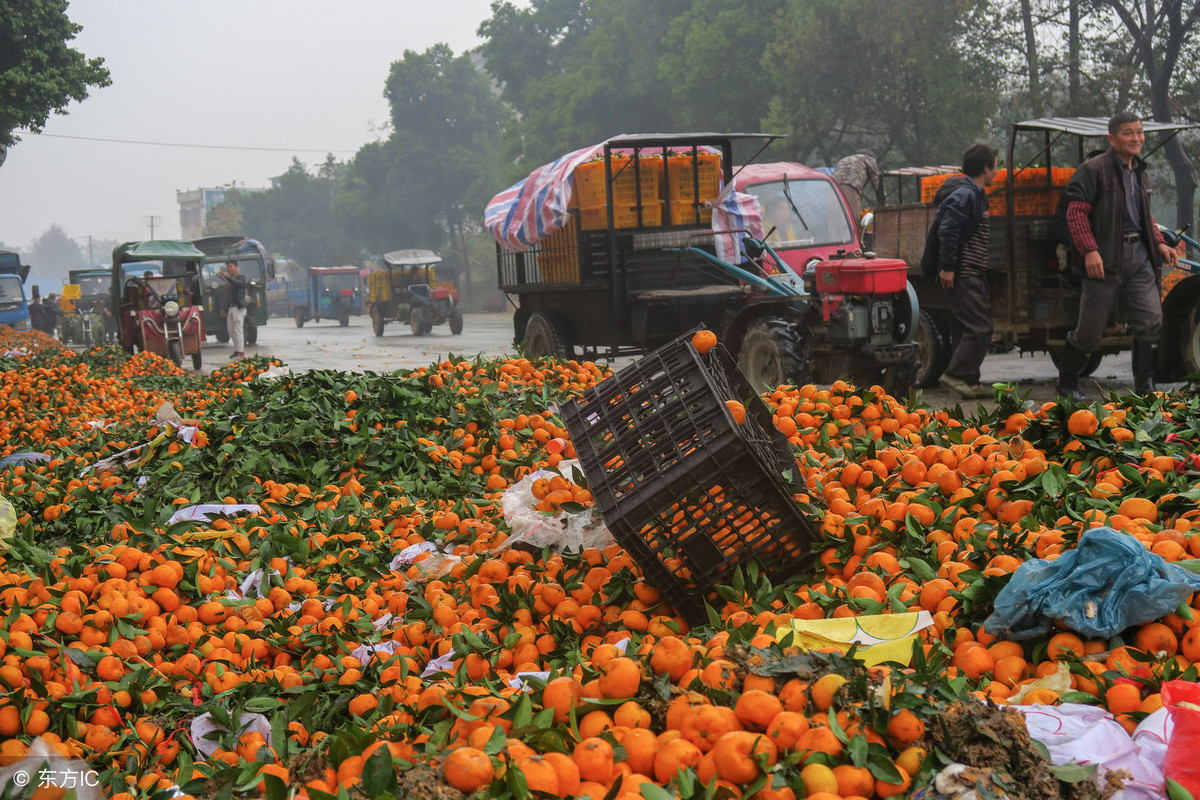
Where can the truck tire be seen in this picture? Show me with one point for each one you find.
(175, 352)
(456, 321)
(416, 320)
(344, 319)
(299, 318)
(544, 337)
(933, 350)
(222, 333)
(774, 351)
(377, 322)
(250, 330)
(1191, 345)
(197, 361)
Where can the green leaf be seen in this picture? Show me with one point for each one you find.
(652, 791)
(1073, 773)
(378, 773)
(1176, 791)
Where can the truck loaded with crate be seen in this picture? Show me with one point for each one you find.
(1034, 296)
(618, 248)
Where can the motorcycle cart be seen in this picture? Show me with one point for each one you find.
(159, 313)
(84, 303)
(254, 266)
(407, 289)
(331, 292)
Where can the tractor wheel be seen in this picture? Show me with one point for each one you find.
(774, 351)
(344, 319)
(456, 321)
(222, 333)
(250, 330)
(416, 320)
(377, 322)
(544, 337)
(299, 318)
(175, 352)
(933, 350)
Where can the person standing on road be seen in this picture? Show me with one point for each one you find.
(852, 174)
(1108, 215)
(52, 312)
(956, 253)
(235, 308)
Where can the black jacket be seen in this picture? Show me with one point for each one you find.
(960, 207)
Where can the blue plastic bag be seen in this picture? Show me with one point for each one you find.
(1108, 583)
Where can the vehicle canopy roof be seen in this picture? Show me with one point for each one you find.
(346, 270)
(1094, 126)
(10, 263)
(538, 205)
(774, 171)
(411, 258)
(156, 250)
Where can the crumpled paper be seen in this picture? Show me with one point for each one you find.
(205, 730)
(880, 637)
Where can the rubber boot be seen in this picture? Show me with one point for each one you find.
(1071, 361)
(1145, 359)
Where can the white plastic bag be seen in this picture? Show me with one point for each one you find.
(560, 531)
(205, 730)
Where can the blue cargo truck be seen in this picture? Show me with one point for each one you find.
(14, 310)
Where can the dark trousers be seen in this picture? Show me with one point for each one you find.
(1138, 292)
(972, 307)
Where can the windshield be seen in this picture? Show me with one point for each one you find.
(92, 285)
(10, 288)
(814, 216)
(336, 283)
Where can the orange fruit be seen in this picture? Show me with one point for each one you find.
(704, 340)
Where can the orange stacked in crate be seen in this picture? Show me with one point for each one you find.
(692, 185)
(631, 182)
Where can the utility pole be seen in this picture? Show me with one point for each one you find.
(150, 220)
(91, 261)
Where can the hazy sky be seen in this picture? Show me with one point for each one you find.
(279, 74)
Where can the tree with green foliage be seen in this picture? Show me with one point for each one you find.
(580, 72)
(39, 72)
(426, 186)
(896, 75)
(296, 216)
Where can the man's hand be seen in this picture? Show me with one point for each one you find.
(1094, 264)
(946, 279)
(1169, 256)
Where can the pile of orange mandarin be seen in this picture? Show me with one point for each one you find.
(355, 626)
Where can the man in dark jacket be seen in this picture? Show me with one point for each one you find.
(1108, 213)
(956, 252)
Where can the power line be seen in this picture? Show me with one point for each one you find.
(196, 146)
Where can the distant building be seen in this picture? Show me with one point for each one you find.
(195, 205)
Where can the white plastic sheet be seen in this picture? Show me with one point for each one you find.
(562, 530)
(205, 730)
(1082, 734)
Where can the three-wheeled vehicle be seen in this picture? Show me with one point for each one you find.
(330, 292)
(1034, 295)
(253, 265)
(621, 247)
(14, 308)
(408, 289)
(85, 306)
(159, 314)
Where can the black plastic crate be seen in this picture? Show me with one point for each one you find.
(687, 491)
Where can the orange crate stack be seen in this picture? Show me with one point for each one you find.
(683, 179)
(589, 181)
(685, 213)
(594, 218)
(930, 185)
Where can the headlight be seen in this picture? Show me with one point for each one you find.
(171, 308)
(24, 325)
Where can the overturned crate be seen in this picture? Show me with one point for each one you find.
(689, 492)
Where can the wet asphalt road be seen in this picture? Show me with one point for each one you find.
(326, 345)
